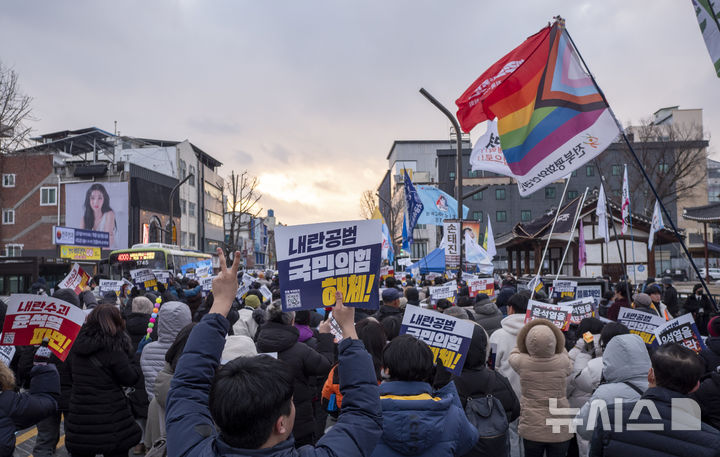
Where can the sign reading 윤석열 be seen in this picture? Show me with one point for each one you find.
(681, 330)
(448, 337)
(317, 260)
(30, 318)
(559, 315)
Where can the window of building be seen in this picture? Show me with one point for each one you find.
(500, 216)
(191, 242)
(191, 209)
(477, 196)
(418, 249)
(191, 181)
(663, 167)
(616, 170)
(473, 174)
(213, 191)
(479, 216)
(183, 238)
(420, 226)
(8, 180)
(476, 215)
(452, 176)
(13, 250)
(213, 218)
(183, 206)
(48, 196)
(572, 194)
(525, 215)
(589, 170)
(499, 194)
(550, 192)
(8, 216)
(182, 166)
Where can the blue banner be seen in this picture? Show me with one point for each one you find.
(414, 208)
(437, 206)
(317, 260)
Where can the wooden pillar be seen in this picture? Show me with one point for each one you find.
(538, 256)
(651, 263)
(576, 254)
(510, 260)
(527, 261)
(519, 265)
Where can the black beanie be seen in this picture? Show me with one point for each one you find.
(67, 295)
(477, 352)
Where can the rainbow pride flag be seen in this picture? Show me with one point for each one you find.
(551, 117)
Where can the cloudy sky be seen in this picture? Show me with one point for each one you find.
(309, 95)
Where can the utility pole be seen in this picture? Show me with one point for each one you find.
(172, 236)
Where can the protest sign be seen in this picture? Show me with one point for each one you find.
(203, 271)
(144, 279)
(162, 276)
(681, 330)
(559, 315)
(30, 318)
(6, 353)
(76, 280)
(451, 238)
(108, 285)
(590, 290)
(563, 288)
(335, 329)
(266, 292)
(242, 290)
(384, 271)
(640, 323)
(415, 272)
(317, 260)
(448, 337)
(247, 280)
(447, 291)
(206, 284)
(481, 286)
(581, 309)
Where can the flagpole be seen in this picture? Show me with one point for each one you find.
(552, 228)
(632, 240)
(572, 233)
(645, 175)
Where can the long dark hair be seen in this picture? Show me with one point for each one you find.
(89, 218)
(107, 325)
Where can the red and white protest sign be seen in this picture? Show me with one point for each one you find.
(559, 315)
(30, 318)
(481, 286)
(76, 280)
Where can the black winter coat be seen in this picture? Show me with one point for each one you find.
(99, 420)
(711, 355)
(22, 410)
(305, 364)
(25, 356)
(136, 325)
(391, 320)
(708, 397)
(701, 311)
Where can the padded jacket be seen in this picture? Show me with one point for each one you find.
(355, 434)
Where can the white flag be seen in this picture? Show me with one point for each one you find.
(474, 253)
(657, 224)
(489, 243)
(625, 204)
(601, 212)
(487, 154)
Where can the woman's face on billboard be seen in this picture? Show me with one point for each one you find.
(96, 200)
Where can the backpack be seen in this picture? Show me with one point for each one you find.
(488, 416)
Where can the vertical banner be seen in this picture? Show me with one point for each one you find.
(681, 330)
(640, 323)
(30, 318)
(76, 280)
(559, 315)
(317, 260)
(448, 337)
(451, 230)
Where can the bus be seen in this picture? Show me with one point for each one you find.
(155, 256)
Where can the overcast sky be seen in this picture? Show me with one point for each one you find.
(310, 95)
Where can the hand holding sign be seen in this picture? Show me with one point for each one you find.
(225, 284)
(345, 317)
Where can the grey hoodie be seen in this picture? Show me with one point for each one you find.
(173, 316)
(625, 360)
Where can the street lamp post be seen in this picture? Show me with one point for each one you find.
(172, 207)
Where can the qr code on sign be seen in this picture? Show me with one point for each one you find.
(8, 338)
(292, 300)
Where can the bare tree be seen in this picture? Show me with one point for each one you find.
(368, 204)
(242, 205)
(15, 111)
(392, 212)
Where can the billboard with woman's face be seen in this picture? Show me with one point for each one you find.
(99, 206)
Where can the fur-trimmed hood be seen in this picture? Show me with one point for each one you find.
(540, 338)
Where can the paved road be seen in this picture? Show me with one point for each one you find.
(25, 440)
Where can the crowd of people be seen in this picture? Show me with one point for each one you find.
(220, 375)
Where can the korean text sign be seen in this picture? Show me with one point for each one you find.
(76, 280)
(144, 279)
(562, 289)
(108, 285)
(447, 291)
(581, 309)
(317, 260)
(640, 323)
(448, 337)
(452, 243)
(30, 318)
(559, 315)
(681, 330)
(481, 286)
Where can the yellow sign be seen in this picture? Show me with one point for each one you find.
(80, 252)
